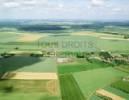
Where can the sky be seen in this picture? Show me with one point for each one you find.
(65, 9)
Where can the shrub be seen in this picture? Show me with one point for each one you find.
(105, 55)
(36, 55)
(126, 36)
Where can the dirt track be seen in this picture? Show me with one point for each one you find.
(29, 75)
(105, 93)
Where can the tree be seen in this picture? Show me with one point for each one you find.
(105, 55)
(126, 36)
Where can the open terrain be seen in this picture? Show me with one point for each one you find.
(26, 76)
(91, 80)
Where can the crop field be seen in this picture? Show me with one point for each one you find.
(74, 42)
(10, 40)
(29, 90)
(90, 76)
(25, 77)
(119, 88)
(81, 65)
(121, 85)
(29, 78)
(123, 68)
(27, 64)
(88, 43)
(8, 37)
(106, 94)
(117, 91)
(70, 89)
(96, 79)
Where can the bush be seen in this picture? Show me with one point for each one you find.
(105, 55)
(36, 55)
(80, 55)
(6, 55)
(120, 61)
(126, 36)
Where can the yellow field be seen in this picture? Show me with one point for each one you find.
(29, 76)
(30, 37)
(107, 94)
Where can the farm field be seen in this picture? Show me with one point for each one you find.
(28, 64)
(123, 68)
(118, 88)
(92, 42)
(29, 90)
(29, 78)
(25, 77)
(97, 44)
(117, 91)
(80, 65)
(70, 89)
(88, 76)
(121, 85)
(95, 79)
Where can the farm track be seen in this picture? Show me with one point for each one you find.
(107, 94)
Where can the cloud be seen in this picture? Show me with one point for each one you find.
(21, 3)
(29, 2)
(11, 4)
(116, 9)
(60, 5)
(97, 2)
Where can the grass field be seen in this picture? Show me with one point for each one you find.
(90, 42)
(29, 90)
(121, 85)
(117, 92)
(20, 89)
(28, 64)
(89, 81)
(81, 65)
(123, 68)
(8, 37)
(78, 80)
(69, 88)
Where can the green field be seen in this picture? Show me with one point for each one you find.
(88, 43)
(121, 85)
(78, 79)
(69, 88)
(81, 65)
(123, 68)
(117, 92)
(28, 64)
(8, 37)
(89, 81)
(28, 90)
